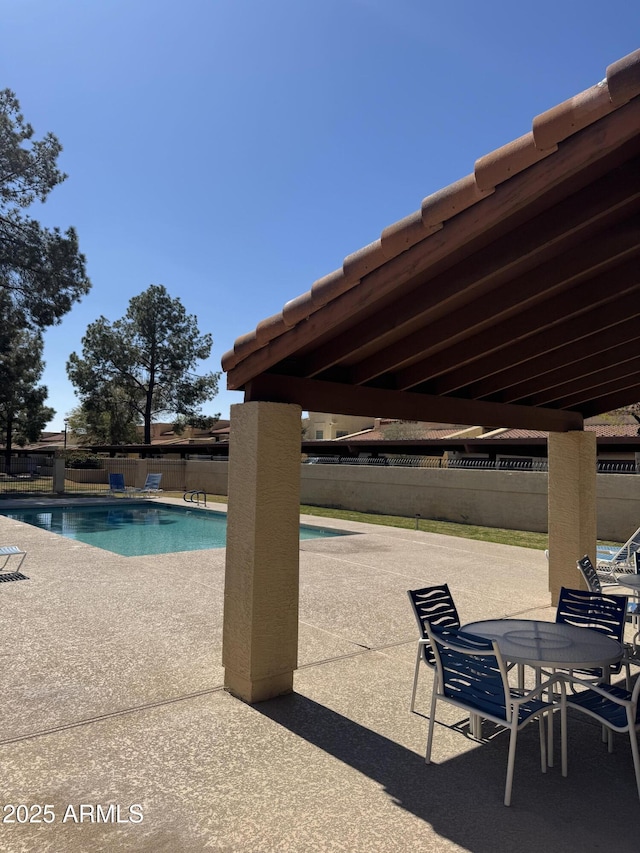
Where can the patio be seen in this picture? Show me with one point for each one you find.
(112, 694)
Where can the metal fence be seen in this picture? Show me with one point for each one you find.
(96, 480)
(37, 478)
(26, 475)
(469, 462)
(500, 464)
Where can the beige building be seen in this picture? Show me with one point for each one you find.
(320, 426)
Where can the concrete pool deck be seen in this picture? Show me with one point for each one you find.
(112, 695)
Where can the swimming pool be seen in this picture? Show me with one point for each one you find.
(139, 529)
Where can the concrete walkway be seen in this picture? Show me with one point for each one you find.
(112, 696)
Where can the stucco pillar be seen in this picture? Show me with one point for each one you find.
(59, 463)
(572, 506)
(260, 635)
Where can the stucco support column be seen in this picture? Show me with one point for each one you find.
(572, 506)
(260, 634)
(59, 463)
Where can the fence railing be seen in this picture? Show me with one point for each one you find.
(502, 464)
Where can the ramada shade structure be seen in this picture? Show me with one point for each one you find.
(511, 298)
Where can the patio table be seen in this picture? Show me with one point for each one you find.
(546, 645)
(553, 645)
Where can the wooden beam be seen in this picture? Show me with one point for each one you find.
(593, 305)
(614, 400)
(580, 381)
(319, 396)
(533, 371)
(580, 396)
(508, 301)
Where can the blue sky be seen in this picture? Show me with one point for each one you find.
(237, 150)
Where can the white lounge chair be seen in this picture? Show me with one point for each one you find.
(151, 486)
(620, 561)
(9, 551)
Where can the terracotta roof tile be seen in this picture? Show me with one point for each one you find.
(405, 233)
(623, 78)
(298, 309)
(244, 345)
(522, 433)
(364, 261)
(448, 202)
(503, 163)
(606, 430)
(558, 123)
(270, 328)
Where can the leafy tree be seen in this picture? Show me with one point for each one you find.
(633, 411)
(404, 430)
(105, 420)
(23, 413)
(41, 269)
(182, 422)
(147, 358)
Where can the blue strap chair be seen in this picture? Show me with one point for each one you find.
(590, 575)
(431, 605)
(471, 674)
(117, 486)
(614, 707)
(586, 569)
(599, 612)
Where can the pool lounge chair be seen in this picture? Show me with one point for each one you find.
(9, 551)
(151, 486)
(117, 486)
(620, 561)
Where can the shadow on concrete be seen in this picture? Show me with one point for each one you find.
(595, 808)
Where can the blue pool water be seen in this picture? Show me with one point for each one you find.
(138, 529)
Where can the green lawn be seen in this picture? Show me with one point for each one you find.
(523, 538)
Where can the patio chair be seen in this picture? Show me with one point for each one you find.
(585, 566)
(614, 707)
(431, 605)
(471, 674)
(608, 562)
(151, 486)
(599, 612)
(117, 486)
(9, 551)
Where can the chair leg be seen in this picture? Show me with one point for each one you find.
(511, 761)
(563, 730)
(633, 737)
(415, 680)
(432, 718)
(544, 758)
(475, 726)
